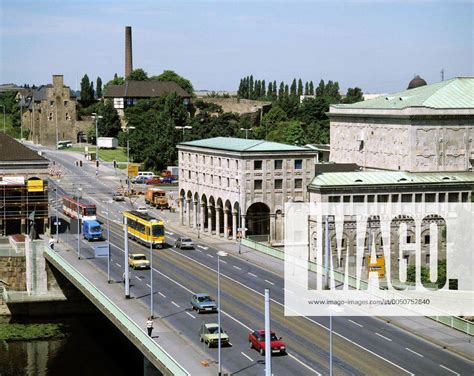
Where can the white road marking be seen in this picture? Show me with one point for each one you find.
(237, 267)
(225, 262)
(356, 323)
(163, 295)
(303, 364)
(202, 247)
(207, 254)
(253, 275)
(269, 282)
(414, 352)
(177, 305)
(118, 264)
(248, 357)
(380, 335)
(138, 278)
(190, 315)
(169, 233)
(197, 250)
(148, 285)
(450, 370)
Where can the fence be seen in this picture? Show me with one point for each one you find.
(454, 322)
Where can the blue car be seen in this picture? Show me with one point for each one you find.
(203, 303)
(92, 230)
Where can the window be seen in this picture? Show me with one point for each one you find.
(278, 184)
(220, 181)
(51, 103)
(50, 116)
(408, 238)
(427, 239)
(220, 162)
(257, 184)
(298, 164)
(189, 175)
(228, 163)
(212, 161)
(298, 183)
(278, 164)
(228, 182)
(237, 165)
(212, 179)
(257, 165)
(66, 103)
(67, 116)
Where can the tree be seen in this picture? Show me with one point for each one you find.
(240, 92)
(293, 88)
(270, 90)
(98, 88)
(169, 75)
(91, 90)
(251, 87)
(320, 90)
(86, 97)
(117, 80)
(281, 90)
(262, 88)
(300, 87)
(294, 133)
(274, 94)
(287, 91)
(137, 75)
(311, 88)
(353, 95)
(256, 94)
(306, 88)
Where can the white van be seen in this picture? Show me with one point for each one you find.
(147, 174)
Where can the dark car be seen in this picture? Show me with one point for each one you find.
(257, 341)
(167, 180)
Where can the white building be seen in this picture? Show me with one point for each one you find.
(222, 177)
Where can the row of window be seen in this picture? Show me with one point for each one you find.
(408, 197)
(66, 103)
(278, 164)
(67, 116)
(278, 184)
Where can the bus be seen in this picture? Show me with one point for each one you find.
(71, 206)
(145, 229)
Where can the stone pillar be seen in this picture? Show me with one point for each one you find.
(226, 223)
(234, 225)
(209, 220)
(202, 217)
(188, 212)
(181, 210)
(218, 221)
(195, 218)
(272, 236)
(242, 225)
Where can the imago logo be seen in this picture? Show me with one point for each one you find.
(379, 259)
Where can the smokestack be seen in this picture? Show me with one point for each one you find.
(128, 51)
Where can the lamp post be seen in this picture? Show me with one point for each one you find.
(96, 117)
(151, 272)
(108, 241)
(128, 158)
(246, 131)
(219, 345)
(4, 126)
(183, 128)
(78, 197)
(57, 219)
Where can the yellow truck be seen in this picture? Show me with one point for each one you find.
(156, 197)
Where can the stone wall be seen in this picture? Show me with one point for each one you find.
(13, 272)
(240, 106)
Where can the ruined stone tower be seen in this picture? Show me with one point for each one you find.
(128, 51)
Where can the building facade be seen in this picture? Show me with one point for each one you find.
(230, 183)
(49, 114)
(427, 128)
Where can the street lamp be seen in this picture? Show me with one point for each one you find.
(183, 128)
(128, 158)
(246, 131)
(151, 272)
(219, 345)
(96, 117)
(108, 241)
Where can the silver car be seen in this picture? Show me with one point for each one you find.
(184, 243)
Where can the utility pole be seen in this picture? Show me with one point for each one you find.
(151, 273)
(268, 349)
(126, 273)
(97, 117)
(326, 253)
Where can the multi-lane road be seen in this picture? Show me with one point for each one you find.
(361, 345)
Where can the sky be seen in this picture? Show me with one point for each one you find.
(376, 45)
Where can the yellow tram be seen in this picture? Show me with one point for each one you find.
(145, 229)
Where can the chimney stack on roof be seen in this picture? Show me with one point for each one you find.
(128, 51)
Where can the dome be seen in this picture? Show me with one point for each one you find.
(416, 82)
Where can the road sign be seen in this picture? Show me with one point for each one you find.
(35, 185)
(133, 169)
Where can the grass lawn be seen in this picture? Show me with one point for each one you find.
(107, 155)
(26, 332)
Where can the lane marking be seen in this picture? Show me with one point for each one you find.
(118, 264)
(138, 278)
(177, 305)
(414, 352)
(303, 364)
(207, 254)
(169, 233)
(380, 335)
(237, 267)
(253, 275)
(198, 250)
(189, 314)
(148, 285)
(450, 370)
(202, 247)
(225, 262)
(163, 295)
(248, 357)
(356, 323)
(269, 282)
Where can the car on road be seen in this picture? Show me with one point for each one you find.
(257, 341)
(167, 180)
(139, 179)
(209, 334)
(182, 243)
(138, 261)
(203, 303)
(153, 180)
(142, 209)
(117, 196)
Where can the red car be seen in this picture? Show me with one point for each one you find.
(153, 180)
(257, 341)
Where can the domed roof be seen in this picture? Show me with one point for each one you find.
(416, 82)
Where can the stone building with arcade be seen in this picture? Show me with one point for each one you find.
(226, 184)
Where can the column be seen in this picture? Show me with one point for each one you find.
(195, 219)
(234, 225)
(218, 221)
(272, 236)
(188, 212)
(242, 225)
(209, 220)
(181, 210)
(202, 217)
(226, 223)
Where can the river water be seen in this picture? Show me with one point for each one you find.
(91, 346)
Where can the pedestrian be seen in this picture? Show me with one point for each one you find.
(51, 243)
(149, 325)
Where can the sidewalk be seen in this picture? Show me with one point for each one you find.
(422, 327)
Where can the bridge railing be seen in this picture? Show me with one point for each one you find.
(158, 352)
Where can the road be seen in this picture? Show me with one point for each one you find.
(362, 345)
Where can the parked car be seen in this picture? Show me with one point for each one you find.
(184, 243)
(139, 179)
(167, 180)
(209, 334)
(138, 261)
(153, 180)
(142, 209)
(257, 341)
(117, 196)
(203, 303)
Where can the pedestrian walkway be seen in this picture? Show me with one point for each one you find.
(423, 327)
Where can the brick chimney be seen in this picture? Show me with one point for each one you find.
(128, 51)
(58, 80)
